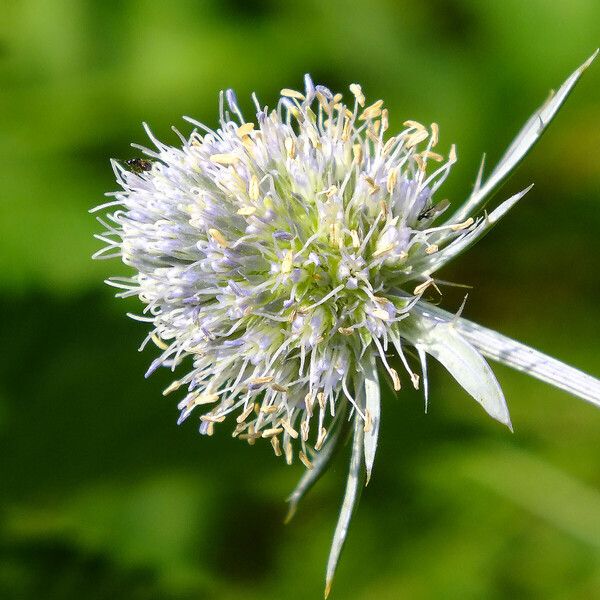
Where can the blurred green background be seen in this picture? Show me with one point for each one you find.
(103, 496)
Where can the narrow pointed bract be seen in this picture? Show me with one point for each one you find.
(444, 342)
(353, 485)
(371, 392)
(285, 258)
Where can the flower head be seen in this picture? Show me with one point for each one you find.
(286, 256)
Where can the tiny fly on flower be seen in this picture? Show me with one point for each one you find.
(139, 165)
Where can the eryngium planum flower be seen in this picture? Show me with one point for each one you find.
(287, 256)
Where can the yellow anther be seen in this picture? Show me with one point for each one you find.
(218, 237)
(383, 208)
(304, 431)
(432, 155)
(414, 125)
(290, 147)
(292, 94)
(305, 460)
(288, 261)
(346, 330)
(383, 250)
(212, 419)
(238, 429)
(381, 314)
(271, 432)
(415, 380)
(246, 211)
(391, 180)
(435, 134)
(432, 249)
(224, 159)
(422, 287)
(321, 438)
(289, 453)
(420, 162)
(357, 152)
(288, 428)
(276, 445)
(159, 343)
(356, 89)
(261, 380)
(308, 404)
(388, 145)
(452, 154)
(415, 138)
(312, 136)
(372, 111)
(253, 188)
(464, 225)
(321, 399)
(395, 379)
(247, 412)
(346, 130)
(385, 121)
(244, 129)
(374, 188)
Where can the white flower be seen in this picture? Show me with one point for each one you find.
(288, 255)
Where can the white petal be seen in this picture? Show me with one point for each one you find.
(351, 496)
(372, 405)
(526, 138)
(460, 358)
(520, 357)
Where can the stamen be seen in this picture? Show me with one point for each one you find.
(372, 111)
(321, 438)
(286, 92)
(272, 431)
(218, 237)
(435, 134)
(356, 89)
(305, 460)
(246, 211)
(395, 379)
(224, 159)
(288, 428)
(244, 129)
(464, 225)
(276, 445)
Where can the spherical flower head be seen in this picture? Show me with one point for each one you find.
(279, 252)
(285, 257)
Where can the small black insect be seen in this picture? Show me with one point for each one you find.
(436, 209)
(139, 165)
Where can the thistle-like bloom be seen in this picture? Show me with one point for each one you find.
(287, 256)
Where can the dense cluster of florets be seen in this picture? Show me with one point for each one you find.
(276, 252)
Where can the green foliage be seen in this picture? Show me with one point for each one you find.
(104, 497)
